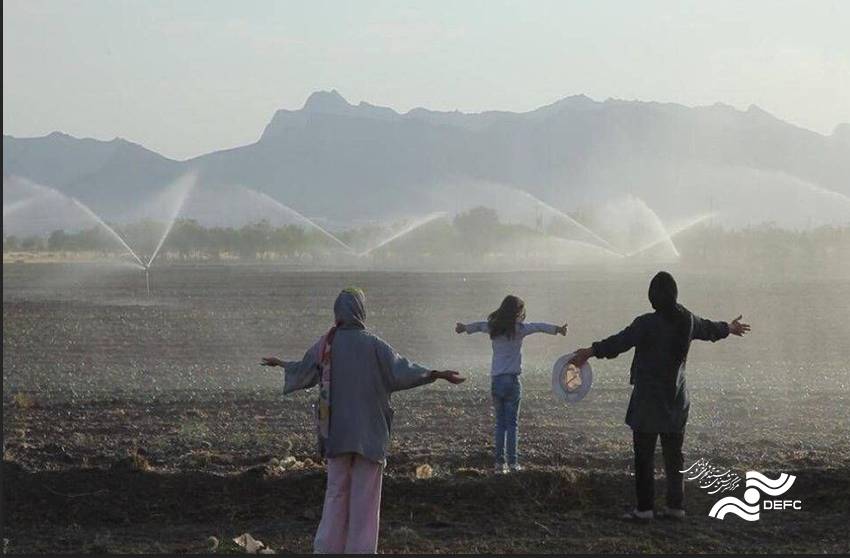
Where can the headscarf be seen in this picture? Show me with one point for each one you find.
(663, 293)
(350, 309)
(349, 313)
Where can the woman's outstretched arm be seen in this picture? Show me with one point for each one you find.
(298, 374)
(610, 347)
(707, 330)
(400, 373)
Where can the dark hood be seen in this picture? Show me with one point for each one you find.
(663, 293)
(350, 309)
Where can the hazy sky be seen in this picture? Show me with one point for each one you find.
(187, 77)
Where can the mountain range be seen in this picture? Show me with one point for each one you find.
(344, 163)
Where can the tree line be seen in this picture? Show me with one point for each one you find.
(477, 235)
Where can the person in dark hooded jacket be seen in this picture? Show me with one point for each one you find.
(659, 403)
(356, 372)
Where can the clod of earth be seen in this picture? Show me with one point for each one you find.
(424, 471)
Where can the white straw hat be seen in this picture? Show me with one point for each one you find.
(569, 383)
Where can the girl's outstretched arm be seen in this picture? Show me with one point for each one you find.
(474, 327)
(541, 327)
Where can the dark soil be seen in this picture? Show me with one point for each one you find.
(165, 475)
(136, 423)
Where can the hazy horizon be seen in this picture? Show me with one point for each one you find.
(200, 77)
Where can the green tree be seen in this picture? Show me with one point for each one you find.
(57, 241)
(11, 243)
(478, 228)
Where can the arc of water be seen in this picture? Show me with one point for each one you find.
(285, 208)
(111, 231)
(660, 224)
(20, 182)
(406, 230)
(670, 234)
(563, 215)
(37, 193)
(18, 205)
(172, 219)
(589, 244)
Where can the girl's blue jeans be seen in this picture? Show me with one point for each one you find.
(507, 392)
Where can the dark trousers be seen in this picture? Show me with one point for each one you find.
(671, 446)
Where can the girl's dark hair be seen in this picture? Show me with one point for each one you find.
(663, 293)
(503, 321)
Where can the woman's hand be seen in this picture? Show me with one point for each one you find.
(271, 361)
(737, 328)
(562, 330)
(451, 376)
(581, 356)
(459, 328)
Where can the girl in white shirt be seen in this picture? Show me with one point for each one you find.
(507, 329)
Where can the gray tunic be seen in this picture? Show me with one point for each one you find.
(365, 370)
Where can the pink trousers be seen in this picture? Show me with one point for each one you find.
(352, 507)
